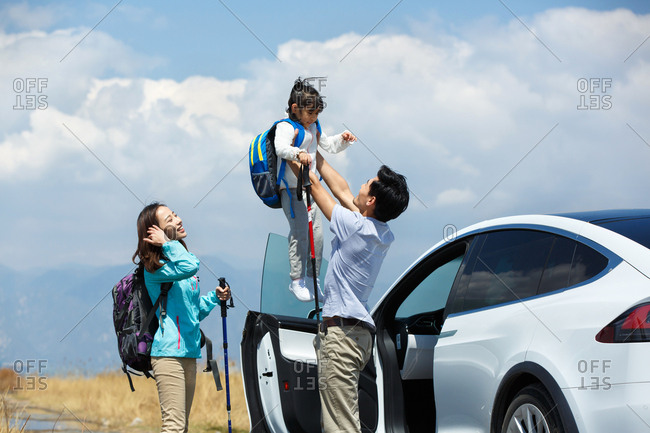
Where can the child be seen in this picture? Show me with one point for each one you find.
(305, 104)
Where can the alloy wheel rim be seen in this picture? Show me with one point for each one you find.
(528, 419)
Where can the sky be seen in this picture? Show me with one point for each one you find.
(489, 108)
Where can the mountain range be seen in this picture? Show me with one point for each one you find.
(61, 319)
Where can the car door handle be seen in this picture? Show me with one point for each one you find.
(447, 333)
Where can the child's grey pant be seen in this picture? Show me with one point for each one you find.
(299, 254)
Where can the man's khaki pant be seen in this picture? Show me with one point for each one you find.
(176, 380)
(342, 353)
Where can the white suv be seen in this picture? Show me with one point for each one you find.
(520, 324)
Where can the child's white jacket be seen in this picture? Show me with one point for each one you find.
(285, 150)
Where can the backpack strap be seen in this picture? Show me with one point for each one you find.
(211, 363)
(296, 143)
(160, 302)
(128, 375)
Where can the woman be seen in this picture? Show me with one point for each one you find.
(176, 345)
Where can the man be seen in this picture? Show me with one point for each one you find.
(361, 241)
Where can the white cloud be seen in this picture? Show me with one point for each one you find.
(455, 114)
(455, 196)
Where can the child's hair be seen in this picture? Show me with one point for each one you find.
(304, 95)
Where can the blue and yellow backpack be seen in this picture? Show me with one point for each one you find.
(266, 177)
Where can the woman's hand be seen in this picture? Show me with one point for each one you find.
(223, 293)
(156, 236)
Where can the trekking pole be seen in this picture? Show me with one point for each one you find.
(224, 315)
(306, 183)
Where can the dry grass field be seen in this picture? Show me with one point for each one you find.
(105, 402)
(9, 417)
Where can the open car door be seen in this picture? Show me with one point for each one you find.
(279, 360)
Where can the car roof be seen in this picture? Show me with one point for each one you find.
(601, 216)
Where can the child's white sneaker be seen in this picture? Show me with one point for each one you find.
(300, 290)
(310, 287)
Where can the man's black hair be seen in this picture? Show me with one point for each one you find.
(391, 194)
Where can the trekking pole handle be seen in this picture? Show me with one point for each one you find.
(304, 173)
(223, 284)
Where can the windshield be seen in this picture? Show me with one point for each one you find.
(276, 297)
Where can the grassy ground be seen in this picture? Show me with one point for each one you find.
(9, 416)
(105, 402)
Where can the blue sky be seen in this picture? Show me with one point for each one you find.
(214, 38)
(479, 104)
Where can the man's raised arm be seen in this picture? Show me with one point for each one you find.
(337, 184)
(322, 198)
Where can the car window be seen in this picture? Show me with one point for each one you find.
(587, 263)
(431, 294)
(558, 266)
(508, 267)
(275, 295)
(512, 265)
(637, 229)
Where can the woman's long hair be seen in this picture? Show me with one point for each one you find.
(147, 254)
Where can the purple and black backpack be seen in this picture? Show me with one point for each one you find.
(133, 314)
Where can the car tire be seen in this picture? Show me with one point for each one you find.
(533, 411)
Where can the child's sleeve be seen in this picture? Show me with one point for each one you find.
(284, 142)
(333, 144)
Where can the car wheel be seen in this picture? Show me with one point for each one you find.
(532, 411)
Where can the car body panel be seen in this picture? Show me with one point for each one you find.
(477, 347)
(479, 358)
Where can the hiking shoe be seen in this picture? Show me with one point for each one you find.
(300, 290)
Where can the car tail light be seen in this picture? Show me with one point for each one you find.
(633, 326)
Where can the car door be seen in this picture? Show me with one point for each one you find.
(279, 360)
(488, 327)
(409, 319)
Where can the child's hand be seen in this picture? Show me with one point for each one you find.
(304, 158)
(348, 136)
